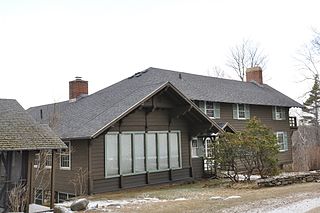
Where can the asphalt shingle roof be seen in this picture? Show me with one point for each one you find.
(19, 131)
(86, 116)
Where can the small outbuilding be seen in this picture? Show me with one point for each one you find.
(21, 137)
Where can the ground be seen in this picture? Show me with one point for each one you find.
(210, 196)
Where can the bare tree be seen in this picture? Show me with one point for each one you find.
(79, 181)
(246, 55)
(18, 197)
(216, 71)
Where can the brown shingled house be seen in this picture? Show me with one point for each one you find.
(20, 138)
(154, 126)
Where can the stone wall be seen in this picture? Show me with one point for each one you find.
(290, 178)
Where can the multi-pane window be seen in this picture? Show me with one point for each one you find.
(38, 197)
(65, 156)
(62, 197)
(278, 113)
(241, 111)
(282, 138)
(43, 158)
(212, 109)
(197, 147)
(130, 152)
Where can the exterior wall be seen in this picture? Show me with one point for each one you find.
(157, 120)
(264, 113)
(79, 159)
(63, 177)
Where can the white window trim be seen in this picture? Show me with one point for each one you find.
(46, 167)
(244, 109)
(283, 137)
(69, 149)
(215, 105)
(194, 155)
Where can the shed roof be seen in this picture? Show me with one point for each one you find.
(19, 131)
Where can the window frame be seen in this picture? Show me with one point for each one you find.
(68, 154)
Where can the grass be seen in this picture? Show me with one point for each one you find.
(198, 196)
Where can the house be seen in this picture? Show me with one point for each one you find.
(164, 119)
(20, 138)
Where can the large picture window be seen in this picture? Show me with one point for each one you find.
(136, 152)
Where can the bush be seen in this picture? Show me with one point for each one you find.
(252, 150)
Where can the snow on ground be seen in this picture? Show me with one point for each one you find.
(37, 208)
(292, 204)
(104, 204)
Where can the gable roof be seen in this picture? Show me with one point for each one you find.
(91, 115)
(19, 131)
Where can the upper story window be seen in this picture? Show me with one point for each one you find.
(65, 156)
(278, 113)
(282, 138)
(212, 109)
(241, 111)
(43, 159)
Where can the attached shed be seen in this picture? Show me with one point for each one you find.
(20, 138)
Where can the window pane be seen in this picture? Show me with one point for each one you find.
(65, 157)
(151, 151)
(111, 154)
(241, 111)
(174, 150)
(163, 150)
(126, 153)
(209, 105)
(210, 112)
(194, 146)
(201, 106)
(138, 141)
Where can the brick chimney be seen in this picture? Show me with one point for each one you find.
(77, 88)
(254, 74)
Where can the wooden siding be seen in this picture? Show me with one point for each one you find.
(79, 159)
(197, 167)
(264, 113)
(139, 120)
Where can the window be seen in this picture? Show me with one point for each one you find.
(278, 113)
(43, 158)
(210, 108)
(139, 160)
(197, 147)
(151, 151)
(282, 138)
(134, 152)
(241, 111)
(62, 197)
(126, 153)
(38, 197)
(163, 150)
(111, 154)
(174, 150)
(65, 156)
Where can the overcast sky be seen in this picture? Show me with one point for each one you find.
(44, 44)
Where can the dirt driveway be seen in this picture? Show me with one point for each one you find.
(215, 196)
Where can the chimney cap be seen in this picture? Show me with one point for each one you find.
(252, 69)
(78, 78)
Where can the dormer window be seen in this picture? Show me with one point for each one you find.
(278, 113)
(241, 111)
(210, 108)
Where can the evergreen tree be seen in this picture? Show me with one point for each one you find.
(312, 104)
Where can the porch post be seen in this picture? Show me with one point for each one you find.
(52, 178)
